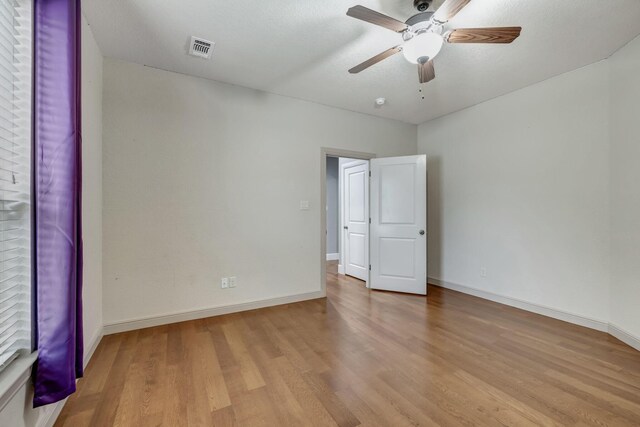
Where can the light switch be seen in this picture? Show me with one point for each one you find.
(304, 205)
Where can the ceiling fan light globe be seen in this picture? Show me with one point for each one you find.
(423, 45)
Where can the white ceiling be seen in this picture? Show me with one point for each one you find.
(303, 48)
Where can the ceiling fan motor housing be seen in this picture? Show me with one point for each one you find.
(420, 20)
(421, 23)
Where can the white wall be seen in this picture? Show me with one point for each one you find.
(625, 196)
(333, 197)
(519, 185)
(204, 180)
(91, 187)
(19, 411)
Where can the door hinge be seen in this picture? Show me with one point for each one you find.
(369, 174)
(369, 267)
(369, 220)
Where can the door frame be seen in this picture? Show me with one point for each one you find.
(324, 153)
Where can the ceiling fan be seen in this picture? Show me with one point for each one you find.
(423, 34)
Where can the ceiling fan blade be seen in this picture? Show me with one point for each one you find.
(371, 61)
(484, 35)
(426, 72)
(377, 18)
(449, 9)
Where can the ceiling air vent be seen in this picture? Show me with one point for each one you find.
(201, 48)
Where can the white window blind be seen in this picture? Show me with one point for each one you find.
(15, 178)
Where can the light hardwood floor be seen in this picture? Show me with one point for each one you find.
(362, 358)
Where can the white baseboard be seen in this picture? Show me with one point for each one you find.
(52, 413)
(333, 257)
(93, 344)
(624, 336)
(341, 269)
(165, 319)
(576, 319)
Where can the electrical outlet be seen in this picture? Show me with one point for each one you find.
(232, 281)
(483, 272)
(224, 284)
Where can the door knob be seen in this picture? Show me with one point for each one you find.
(422, 232)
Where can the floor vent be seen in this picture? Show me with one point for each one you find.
(201, 48)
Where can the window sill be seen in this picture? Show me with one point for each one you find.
(14, 376)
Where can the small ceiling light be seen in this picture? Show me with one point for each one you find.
(381, 101)
(422, 47)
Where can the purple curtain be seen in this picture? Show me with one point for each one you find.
(57, 181)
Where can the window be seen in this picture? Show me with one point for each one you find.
(15, 179)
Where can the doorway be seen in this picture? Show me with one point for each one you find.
(332, 224)
(380, 206)
(347, 208)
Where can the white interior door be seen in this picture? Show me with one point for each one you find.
(398, 224)
(356, 219)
